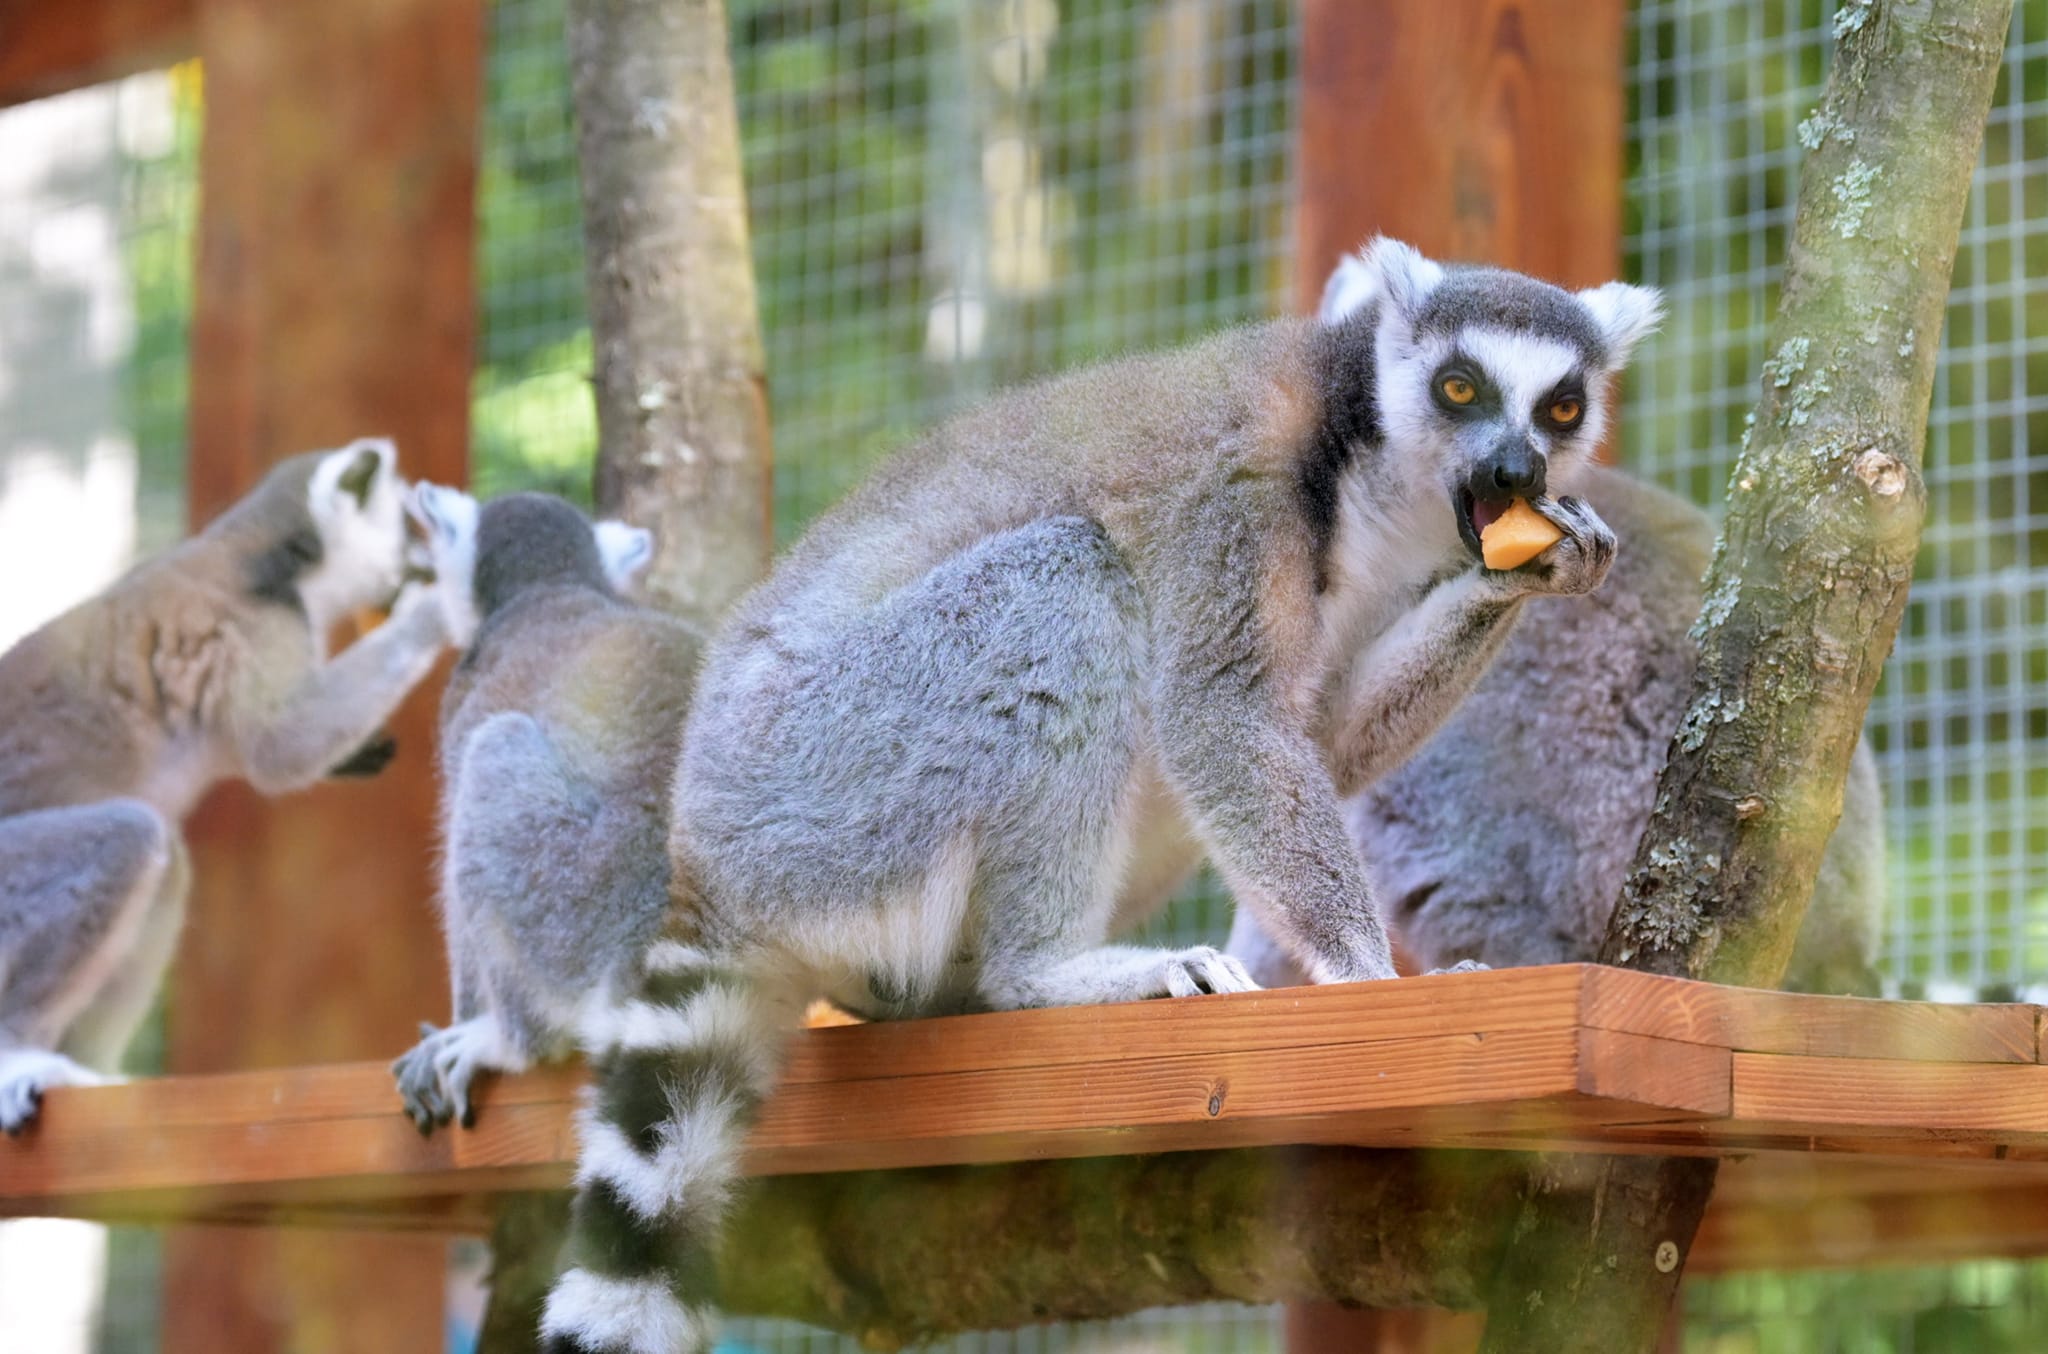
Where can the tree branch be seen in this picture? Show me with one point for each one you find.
(1803, 600)
(895, 1257)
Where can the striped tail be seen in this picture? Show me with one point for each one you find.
(682, 1069)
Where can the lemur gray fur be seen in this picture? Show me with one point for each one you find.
(205, 663)
(1478, 864)
(1212, 585)
(559, 734)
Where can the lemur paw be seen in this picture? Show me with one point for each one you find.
(1578, 563)
(1203, 970)
(25, 1074)
(435, 1075)
(1462, 966)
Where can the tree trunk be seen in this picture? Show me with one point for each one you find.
(1802, 602)
(682, 399)
(682, 404)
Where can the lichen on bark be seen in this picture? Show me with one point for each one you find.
(1803, 599)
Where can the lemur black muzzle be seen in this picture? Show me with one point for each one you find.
(1512, 469)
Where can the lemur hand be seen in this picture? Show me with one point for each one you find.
(1574, 565)
(419, 610)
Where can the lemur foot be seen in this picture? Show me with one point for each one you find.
(435, 1075)
(1462, 966)
(1202, 969)
(26, 1073)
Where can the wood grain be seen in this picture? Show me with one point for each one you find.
(1870, 1095)
(1905, 1142)
(1490, 1059)
(1487, 132)
(1753, 1021)
(50, 48)
(1545, 998)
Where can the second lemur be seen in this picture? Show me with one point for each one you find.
(1214, 585)
(559, 732)
(207, 662)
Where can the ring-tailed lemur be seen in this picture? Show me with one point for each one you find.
(916, 753)
(205, 663)
(559, 734)
(1476, 863)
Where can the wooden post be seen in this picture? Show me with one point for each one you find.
(335, 297)
(47, 49)
(1482, 130)
(1488, 131)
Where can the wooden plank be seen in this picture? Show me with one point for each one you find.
(335, 297)
(1394, 1064)
(1487, 130)
(1237, 1098)
(1909, 1099)
(48, 48)
(338, 1129)
(1545, 998)
(1640, 1070)
(1753, 1021)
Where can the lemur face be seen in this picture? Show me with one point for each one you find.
(357, 499)
(1487, 381)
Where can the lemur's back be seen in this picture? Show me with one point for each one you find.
(1108, 442)
(91, 700)
(609, 680)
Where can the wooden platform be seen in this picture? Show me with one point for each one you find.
(1872, 1130)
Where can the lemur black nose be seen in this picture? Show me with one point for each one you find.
(1513, 470)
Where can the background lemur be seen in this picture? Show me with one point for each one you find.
(204, 663)
(559, 734)
(1524, 867)
(919, 751)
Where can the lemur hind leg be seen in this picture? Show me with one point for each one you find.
(78, 887)
(969, 745)
(553, 889)
(102, 1032)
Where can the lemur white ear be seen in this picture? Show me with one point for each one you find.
(1348, 291)
(1625, 316)
(447, 515)
(1398, 272)
(352, 471)
(626, 550)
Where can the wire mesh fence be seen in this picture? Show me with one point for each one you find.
(949, 196)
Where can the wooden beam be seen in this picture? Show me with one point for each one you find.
(1573, 1057)
(870, 1223)
(335, 297)
(51, 46)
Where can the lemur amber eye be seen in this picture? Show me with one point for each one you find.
(1566, 411)
(1458, 390)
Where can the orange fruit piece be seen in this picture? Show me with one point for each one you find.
(1517, 536)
